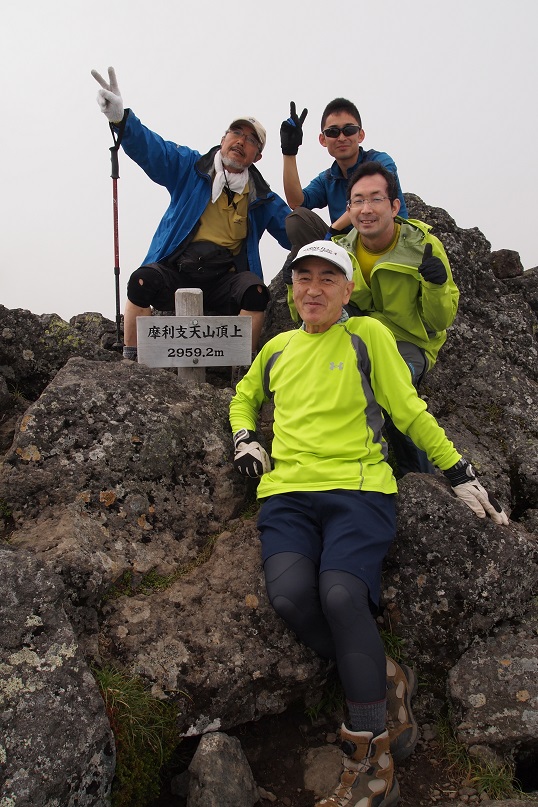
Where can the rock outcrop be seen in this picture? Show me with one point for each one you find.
(56, 746)
(116, 483)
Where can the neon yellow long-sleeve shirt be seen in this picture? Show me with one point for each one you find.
(328, 391)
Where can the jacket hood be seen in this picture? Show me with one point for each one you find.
(413, 229)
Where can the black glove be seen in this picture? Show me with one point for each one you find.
(250, 458)
(432, 269)
(287, 276)
(467, 488)
(291, 131)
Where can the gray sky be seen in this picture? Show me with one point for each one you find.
(448, 89)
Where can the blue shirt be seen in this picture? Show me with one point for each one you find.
(329, 189)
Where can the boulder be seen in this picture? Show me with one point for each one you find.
(494, 691)
(56, 746)
(450, 576)
(33, 348)
(220, 775)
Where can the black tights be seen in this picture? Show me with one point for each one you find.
(330, 613)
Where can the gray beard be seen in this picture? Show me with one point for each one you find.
(228, 162)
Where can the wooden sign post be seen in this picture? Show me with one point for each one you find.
(191, 341)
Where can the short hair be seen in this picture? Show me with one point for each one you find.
(340, 105)
(370, 169)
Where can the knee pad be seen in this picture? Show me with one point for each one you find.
(256, 298)
(144, 285)
(287, 610)
(344, 598)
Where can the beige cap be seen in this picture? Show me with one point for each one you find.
(261, 134)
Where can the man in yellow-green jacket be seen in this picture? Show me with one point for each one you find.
(403, 279)
(328, 515)
(401, 272)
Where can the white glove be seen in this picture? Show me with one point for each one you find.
(250, 458)
(467, 488)
(109, 98)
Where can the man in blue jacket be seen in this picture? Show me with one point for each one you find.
(342, 135)
(220, 206)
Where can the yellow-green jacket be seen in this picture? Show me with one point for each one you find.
(413, 309)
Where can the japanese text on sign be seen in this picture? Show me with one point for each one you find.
(194, 341)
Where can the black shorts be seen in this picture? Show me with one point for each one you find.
(343, 530)
(222, 295)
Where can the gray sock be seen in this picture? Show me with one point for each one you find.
(367, 716)
(130, 352)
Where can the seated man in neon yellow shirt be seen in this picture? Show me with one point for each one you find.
(328, 516)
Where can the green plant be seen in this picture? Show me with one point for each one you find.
(122, 587)
(332, 700)
(153, 581)
(125, 586)
(495, 780)
(145, 734)
(394, 645)
(455, 751)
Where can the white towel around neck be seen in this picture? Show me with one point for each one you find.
(236, 182)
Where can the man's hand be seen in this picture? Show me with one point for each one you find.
(250, 458)
(291, 131)
(109, 97)
(432, 269)
(467, 488)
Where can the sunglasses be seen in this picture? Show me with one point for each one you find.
(347, 130)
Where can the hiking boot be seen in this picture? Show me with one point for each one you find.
(401, 724)
(368, 777)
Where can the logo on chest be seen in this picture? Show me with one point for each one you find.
(336, 365)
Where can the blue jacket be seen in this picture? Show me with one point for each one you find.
(330, 187)
(187, 176)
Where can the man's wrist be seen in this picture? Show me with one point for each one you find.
(460, 473)
(244, 436)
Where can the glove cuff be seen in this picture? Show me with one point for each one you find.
(460, 473)
(120, 124)
(290, 151)
(244, 436)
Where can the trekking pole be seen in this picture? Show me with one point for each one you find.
(115, 176)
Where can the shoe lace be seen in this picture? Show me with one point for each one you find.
(352, 769)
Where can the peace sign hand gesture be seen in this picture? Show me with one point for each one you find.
(109, 97)
(291, 131)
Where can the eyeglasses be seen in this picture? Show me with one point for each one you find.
(347, 130)
(248, 138)
(375, 202)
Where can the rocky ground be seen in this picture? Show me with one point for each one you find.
(422, 778)
(277, 748)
